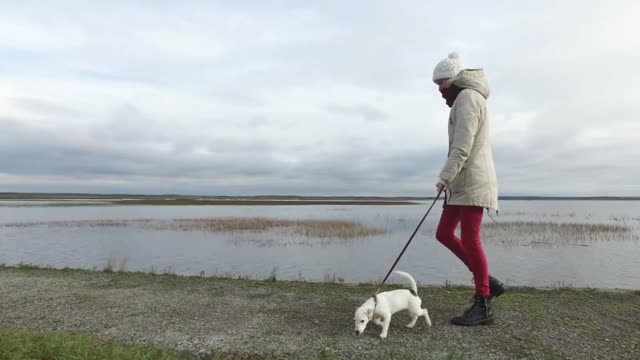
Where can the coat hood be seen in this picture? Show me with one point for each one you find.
(473, 79)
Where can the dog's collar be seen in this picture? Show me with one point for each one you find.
(375, 304)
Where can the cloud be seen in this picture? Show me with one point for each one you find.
(322, 99)
(368, 113)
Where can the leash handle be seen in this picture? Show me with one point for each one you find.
(409, 242)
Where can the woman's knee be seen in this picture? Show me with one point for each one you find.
(449, 219)
(443, 234)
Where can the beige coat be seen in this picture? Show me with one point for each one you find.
(469, 173)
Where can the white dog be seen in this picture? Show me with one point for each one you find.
(380, 308)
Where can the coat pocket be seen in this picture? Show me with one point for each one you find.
(459, 182)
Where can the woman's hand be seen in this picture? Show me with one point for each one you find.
(440, 186)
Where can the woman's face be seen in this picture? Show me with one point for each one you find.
(441, 83)
(449, 92)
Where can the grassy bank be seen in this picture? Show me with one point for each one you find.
(136, 315)
(53, 345)
(60, 345)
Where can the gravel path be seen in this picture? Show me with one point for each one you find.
(303, 320)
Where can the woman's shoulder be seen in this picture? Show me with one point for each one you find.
(469, 98)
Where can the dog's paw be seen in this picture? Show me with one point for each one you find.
(410, 326)
(383, 336)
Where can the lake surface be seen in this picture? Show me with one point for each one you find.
(518, 257)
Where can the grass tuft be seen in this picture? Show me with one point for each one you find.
(110, 265)
(333, 278)
(562, 285)
(273, 276)
(169, 270)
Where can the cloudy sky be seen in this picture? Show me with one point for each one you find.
(312, 98)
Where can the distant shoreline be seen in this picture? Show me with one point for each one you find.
(269, 198)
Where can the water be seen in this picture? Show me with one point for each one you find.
(596, 263)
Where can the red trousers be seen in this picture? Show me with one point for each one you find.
(469, 247)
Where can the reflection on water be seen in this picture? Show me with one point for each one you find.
(583, 243)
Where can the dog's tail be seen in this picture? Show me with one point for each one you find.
(414, 287)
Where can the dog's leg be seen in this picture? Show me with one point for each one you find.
(386, 320)
(425, 313)
(415, 311)
(414, 318)
(378, 322)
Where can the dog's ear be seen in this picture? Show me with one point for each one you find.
(370, 314)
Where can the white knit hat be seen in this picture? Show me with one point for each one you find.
(447, 68)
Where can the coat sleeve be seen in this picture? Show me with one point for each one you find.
(467, 112)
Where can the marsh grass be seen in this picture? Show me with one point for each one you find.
(273, 232)
(624, 218)
(309, 228)
(284, 240)
(78, 223)
(542, 233)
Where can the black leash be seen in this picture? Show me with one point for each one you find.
(496, 222)
(407, 244)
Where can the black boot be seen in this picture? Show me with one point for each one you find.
(495, 287)
(480, 313)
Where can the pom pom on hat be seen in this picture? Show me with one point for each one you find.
(447, 68)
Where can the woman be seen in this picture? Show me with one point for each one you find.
(468, 179)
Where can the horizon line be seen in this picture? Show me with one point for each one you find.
(5, 194)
